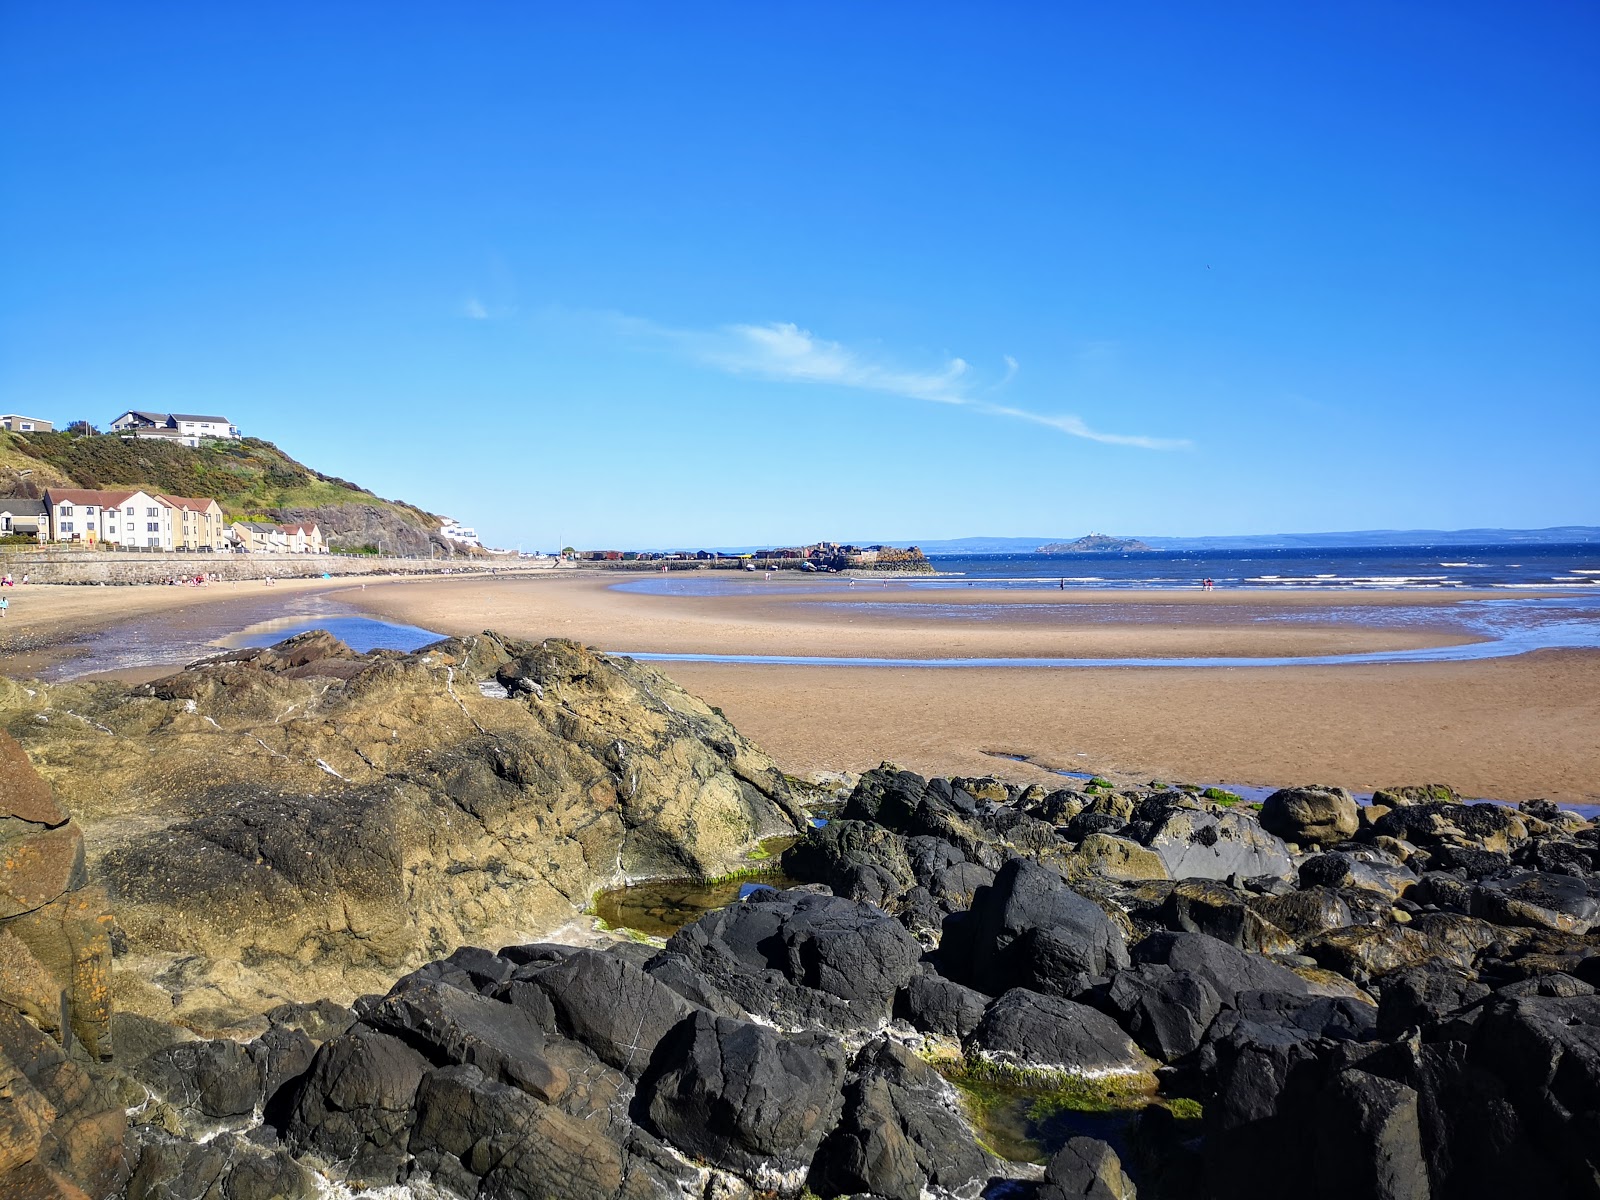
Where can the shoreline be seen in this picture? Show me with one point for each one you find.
(1514, 728)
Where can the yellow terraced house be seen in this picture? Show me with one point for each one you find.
(197, 522)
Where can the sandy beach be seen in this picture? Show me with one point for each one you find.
(1511, 728)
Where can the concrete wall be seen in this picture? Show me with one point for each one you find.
(110, 566)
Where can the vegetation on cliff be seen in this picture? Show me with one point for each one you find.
(250, 478)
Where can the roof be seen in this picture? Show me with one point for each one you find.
(194, 417)
(257, 526)
(19, 417)
(198, 503)
(157, 418)
(300, 528)
(18, 505)
(88, 496)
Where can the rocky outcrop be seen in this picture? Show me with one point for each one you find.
(60, 1132)
(281, 824)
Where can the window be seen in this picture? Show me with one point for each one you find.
(88, 510)
(130, 511)
(154, 527)
(27, 425)
(66, 511)
(66, 527)
(152, 541)
(152, 512)
(88, 524)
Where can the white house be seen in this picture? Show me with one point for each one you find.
(455, 531)
(20, 515)
(20, 424)
(187, 428)
(121, 518)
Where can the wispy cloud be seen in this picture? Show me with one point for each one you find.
(473, 309)
(784, 351)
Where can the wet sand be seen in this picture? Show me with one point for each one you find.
(1511, 728)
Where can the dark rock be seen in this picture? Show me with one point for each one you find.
(901, 1134)
(612, 1007)
(819, 944)
(210, 1079)
(1369, 1139)
(1028, 928)
(1228, 970)
(227, 1165)
(1208, 907)
(935, 1004)
(1032, 1031)
(1166, 1011)
(356, 1105)
(1361, 953)
(855, 859)
(1425, 994)
(495, 1140)
(743, 1097)
(1305, 913)
(1539, 900)
(674, 970)
(1086, 1169)
(453, 1026)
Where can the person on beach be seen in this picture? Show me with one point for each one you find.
(4, 604)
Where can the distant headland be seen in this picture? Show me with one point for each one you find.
(1094, 543)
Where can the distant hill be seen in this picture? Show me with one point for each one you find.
(250, 478)
(1095, 543)
(1555, 535)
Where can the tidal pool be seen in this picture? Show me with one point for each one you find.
(661, 907)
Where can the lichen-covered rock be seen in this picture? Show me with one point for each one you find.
(1315, 816)
(303, 821)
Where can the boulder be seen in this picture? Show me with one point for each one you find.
(1365, 952)
(1306, 913)
(612, 1007)
(843, 960)
(1167, 1011)
(1086, 1169)
(356, 1106)
(1208, 907)
(227, 1165)
(1369, 1139)
(854, 859)
(1539, 900)
(1227, 969)
(307, 821)
(1029, 927)
(934, 1004)
(1036, 1032)
(743, 1097)
(1311, 816)
(901, 1135)
(1201, 845)
(1120, 858)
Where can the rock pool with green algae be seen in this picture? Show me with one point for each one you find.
(661, 907)
(1028, 1121)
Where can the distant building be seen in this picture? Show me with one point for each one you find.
(455, 531)
(187, 428)
(265, 537)
(20, 515)
(20, 424)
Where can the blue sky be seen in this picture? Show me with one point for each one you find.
(637, 275)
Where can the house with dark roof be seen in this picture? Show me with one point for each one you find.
(197, 522)
(22, 516)
(188, 428)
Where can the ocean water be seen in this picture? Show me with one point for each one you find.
(1522, 567)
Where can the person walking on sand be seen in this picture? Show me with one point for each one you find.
(5, 603)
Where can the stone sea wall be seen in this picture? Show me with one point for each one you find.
(121, 567)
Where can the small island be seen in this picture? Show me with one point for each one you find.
(1095, 543)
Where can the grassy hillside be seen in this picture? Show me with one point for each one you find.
(250, 478)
